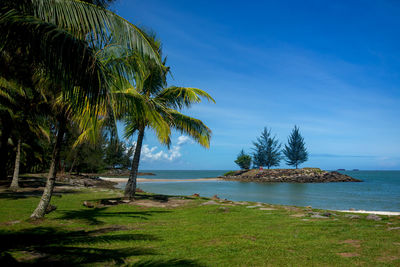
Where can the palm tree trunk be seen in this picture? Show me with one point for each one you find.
(14, 184)
(130, 188)
(5, 119)
(72, 165)
(44, 202)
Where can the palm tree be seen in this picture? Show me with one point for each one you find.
(163, 103)
(26, 108)
(60, 38)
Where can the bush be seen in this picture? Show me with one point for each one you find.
(230, 173)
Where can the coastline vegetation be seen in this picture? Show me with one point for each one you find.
(72, 69)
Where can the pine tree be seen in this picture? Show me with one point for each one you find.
(243, 160)
(267, 150)
(295, 151)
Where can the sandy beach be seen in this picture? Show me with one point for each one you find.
(143, 180)
(388, 213)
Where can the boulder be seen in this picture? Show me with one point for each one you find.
(373, 217)
(88, 204)
(352, 216)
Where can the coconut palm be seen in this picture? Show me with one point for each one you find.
(150, 82)
(26, 108)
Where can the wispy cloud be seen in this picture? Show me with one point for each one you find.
(183, 139)
(152, 154)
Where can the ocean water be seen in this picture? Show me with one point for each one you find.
(379, 191)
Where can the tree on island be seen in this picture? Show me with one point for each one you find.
(243, 160)
(295, 151)
(267, 150)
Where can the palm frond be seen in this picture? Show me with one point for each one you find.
(179, 97)
(66, 58)
(145, 114)
(96, 24)
(193, 127)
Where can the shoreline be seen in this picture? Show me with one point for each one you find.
(377, 212)
(123, 180)
(144, 180)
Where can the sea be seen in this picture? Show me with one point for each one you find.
(379, 191)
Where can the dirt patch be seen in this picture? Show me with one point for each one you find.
(31, 256)
(352, 242)
(171, 203)
(267, 209)
(348, 254)
(292, 209)
(10, 222)
(215, 242)
(249, 237)
(387, 258)
(298, 215)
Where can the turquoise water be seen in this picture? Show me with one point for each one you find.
(379, 191)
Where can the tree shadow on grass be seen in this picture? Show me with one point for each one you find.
(167, 263)
(53, 246)
(91, 216)
(33, 193)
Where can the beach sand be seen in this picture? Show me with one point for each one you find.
(389, 213)
(141, 180)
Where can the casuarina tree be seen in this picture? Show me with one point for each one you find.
(243, 160)
(267, 150)
(295, 151)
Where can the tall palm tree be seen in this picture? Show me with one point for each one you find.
(164, 102)
(26, 107)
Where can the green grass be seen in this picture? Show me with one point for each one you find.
(189, 235)
(229, 173)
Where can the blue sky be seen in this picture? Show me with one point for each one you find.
(330, 67)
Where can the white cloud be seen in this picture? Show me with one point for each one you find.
(155, 154)
(183, 139)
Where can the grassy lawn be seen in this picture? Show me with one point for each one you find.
(188, 233)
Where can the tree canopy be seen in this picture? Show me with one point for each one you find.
(295, 150)
(243, 160)
(266, 150)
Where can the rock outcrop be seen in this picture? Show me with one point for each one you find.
(305, 175)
